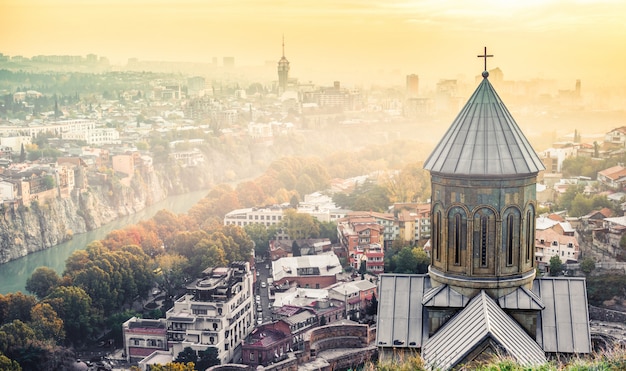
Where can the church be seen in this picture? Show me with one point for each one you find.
(481, 296)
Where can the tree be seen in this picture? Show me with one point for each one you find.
(299, 226)
(46, 323)
(22, 153)
(171, 273)
(423, 260)
(372, 306)
(187, 355)
(588, 265)
(208, 358)
(7, 364)
(556, 266)
(42, 281)
(259, 234)
(74, 307)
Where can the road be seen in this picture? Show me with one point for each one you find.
(264, 272)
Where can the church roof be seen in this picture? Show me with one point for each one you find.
(523, 299)
(445, 297)
(484, 140)
(400, 315)
(481, 320)
(564, 322)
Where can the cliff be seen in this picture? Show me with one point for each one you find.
(43, 224)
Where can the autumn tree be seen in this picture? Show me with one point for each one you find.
(16, 306)
(46, 323)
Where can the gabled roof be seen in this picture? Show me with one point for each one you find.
(521, 299)
(444, 296)
(564, 323)
(484, 140)
(481, 320)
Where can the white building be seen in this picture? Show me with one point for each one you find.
(217, 311)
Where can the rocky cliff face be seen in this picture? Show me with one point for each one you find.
(45, 224)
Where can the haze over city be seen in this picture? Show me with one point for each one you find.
(345, 40)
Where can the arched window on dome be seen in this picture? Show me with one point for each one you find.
(457, 234)
(511, 236)
(530, 239)
(483, 238)
(437, 235)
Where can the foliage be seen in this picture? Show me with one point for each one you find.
(299, 226)
(208, 358)
(74, 306)
(406, 260)
(7, 364)
(605, 287)
(174, 366)
(365, 196)
(42, 281)
(115, 321)
(187, 355)
(411, 184)
(46, 323)
(587, 265)
(171, 272)
(261, 236)
(556, 266)
(16, 306)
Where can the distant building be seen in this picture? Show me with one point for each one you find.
(613, 177)
(283, 71)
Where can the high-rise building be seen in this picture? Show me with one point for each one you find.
(412, 86)
(283, 71)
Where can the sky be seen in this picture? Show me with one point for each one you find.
(336, 39)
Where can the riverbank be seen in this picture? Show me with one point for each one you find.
(13, 274)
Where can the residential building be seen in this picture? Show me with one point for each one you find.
(613, 177)
(283, 248)
(356, 295)
(608, 237)
(217, 311)
(143, 337)
(312, 271)
(356, 233)
(266, 344)
(549, 242)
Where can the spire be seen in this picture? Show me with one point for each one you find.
(283, 45)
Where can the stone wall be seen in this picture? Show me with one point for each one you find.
(606, 315)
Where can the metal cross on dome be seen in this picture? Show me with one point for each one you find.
(485, 56)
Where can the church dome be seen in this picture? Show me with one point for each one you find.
(484, 140)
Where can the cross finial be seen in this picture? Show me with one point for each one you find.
(485, 56)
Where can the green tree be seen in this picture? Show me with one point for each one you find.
(556, 266)
(299, 226)
(405, 261)
(42, 281)
(22, 153)
(187, 355)
(15, 334)
(7, 364)
(208, 358)
(74, 307)
(423, 260)
(588, 265)
(171, 272)
(259, 234)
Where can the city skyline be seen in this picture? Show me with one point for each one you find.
(352, 41)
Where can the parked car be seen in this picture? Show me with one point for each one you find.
(263, 284)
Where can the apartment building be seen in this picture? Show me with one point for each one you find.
(217, 311)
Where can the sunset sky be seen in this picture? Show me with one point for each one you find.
(560, 39)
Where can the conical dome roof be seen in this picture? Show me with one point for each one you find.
(484, 140)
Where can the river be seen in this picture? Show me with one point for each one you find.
(13, 275)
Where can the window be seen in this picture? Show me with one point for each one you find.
(483, 240)
(436, 240)
(457, 239)
(252, 356)
(509, 239)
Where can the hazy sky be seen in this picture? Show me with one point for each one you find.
(433, 38)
